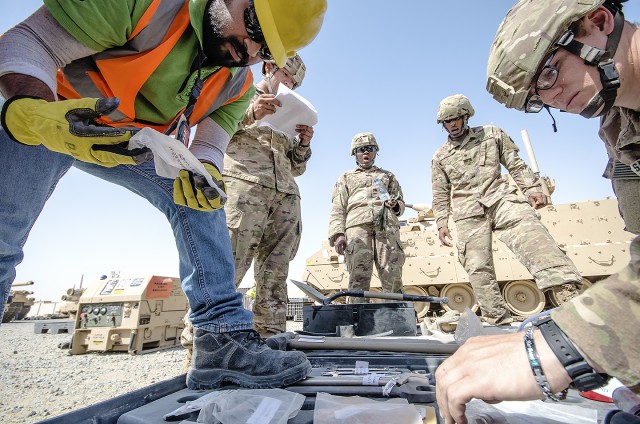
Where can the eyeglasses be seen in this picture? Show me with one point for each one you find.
(366, 149)
(450, 120)
(545, 80)
(255, 31)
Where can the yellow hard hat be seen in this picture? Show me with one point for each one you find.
(289, 25)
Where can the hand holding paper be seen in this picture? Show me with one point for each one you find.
(171, 157)
(294, 110)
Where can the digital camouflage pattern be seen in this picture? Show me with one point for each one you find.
(260, 155)
(528, 32)
(602, 322)
(355, 199)
(367, 246)
(355, 207)
(620, 131)
(265, 227)
(263, 213)
(363, 139)
(516, 224)
(467, 177)
(294, 65)
(454, 106)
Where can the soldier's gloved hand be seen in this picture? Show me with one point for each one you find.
(538, 200)
(193, 190)
(70, 127)
(340, 243)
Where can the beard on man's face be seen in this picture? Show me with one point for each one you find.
(216, 46)
(217, 52)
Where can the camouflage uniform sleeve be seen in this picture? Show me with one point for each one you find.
(396, 191)
(441, 189)
(298, 156)
(519, 170)
(604, 322)
(338, 217)
(248, 118)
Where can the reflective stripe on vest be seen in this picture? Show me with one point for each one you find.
(122, 72)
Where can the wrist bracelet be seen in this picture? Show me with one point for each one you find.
(534, 361)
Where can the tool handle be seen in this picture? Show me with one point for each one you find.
(388, 296)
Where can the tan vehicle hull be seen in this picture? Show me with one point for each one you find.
(590, 233)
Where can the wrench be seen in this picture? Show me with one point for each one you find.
(415, 390)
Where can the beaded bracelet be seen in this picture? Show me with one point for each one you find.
(534, 361)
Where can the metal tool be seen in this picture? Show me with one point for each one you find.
(319, 297)
(373, 344)
(411, 390)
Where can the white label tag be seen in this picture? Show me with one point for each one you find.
(265, 412)
(386, 390)
(362, 367)
(371, 379)
(635, 167)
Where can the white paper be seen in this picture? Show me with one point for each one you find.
(295, 110)
(171, 156)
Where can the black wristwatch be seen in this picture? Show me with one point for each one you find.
(584, 377)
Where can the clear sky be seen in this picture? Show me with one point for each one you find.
(376, 66)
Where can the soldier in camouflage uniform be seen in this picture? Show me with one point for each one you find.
(263, 205)
(263, 208)
(363, 227)
(514, 62)
(604, 321)
(467, 179)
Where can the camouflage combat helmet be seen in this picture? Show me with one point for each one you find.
(363, 139)
(530, 32)
(294, 65)
(455, 106)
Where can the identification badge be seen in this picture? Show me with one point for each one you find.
(183, 130)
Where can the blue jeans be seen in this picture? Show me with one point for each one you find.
(30, 174)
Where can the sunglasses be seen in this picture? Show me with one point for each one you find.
(366, 149)
(255, 31)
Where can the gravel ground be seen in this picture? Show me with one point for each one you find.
(41, 381)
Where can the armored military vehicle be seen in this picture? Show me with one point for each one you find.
(590, 233)
(19, 304)
(71, 299)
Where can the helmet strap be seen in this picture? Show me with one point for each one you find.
(603, 60)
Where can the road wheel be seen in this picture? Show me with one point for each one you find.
(523, 297)
(460, 296)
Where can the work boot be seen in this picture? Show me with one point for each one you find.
(504, 319)
(565, 293)
(241, 357)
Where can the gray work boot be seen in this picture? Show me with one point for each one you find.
(242, 357)
(565, 293)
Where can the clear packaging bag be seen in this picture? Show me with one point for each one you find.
(331, 409)
(252, 406)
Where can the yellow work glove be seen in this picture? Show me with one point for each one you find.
(70, 127)
(193, 191)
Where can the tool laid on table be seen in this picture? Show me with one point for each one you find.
(303, 342)
(411, 386)
(319, 297)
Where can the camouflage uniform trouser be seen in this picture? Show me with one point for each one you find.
(516, 224)
(628, 194)
(366, 246)
(264, 225)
